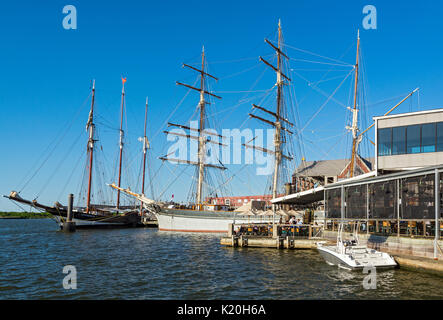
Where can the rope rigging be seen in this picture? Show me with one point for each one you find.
(65, 129)
(324, 104)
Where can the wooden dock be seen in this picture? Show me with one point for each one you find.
(269, 242)
(279, 236)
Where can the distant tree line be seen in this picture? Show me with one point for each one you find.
(25, 215)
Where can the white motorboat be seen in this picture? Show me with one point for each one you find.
(349, 255)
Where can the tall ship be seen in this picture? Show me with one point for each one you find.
(92, 215)
(201, 216)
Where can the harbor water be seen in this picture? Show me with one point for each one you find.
(148, 264)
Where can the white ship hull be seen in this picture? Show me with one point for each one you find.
(203, 221)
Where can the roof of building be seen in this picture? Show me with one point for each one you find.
(326, 167)
(408, 114)
(317, 194)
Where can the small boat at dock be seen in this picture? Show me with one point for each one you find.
(350, 255)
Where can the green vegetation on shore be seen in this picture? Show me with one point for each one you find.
(24, 215)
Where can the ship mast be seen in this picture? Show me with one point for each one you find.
(277, 140)
(90, 147)
(202, 139)
(277, 124)
(121, 141)
(354, 127)
(145, 149)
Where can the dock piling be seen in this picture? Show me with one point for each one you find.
(230, 230)
(69, 225)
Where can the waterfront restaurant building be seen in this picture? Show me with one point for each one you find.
(402, 196)
(238, 201)
(410, 140)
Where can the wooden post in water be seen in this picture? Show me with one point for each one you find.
(230, 230)
(69, 225)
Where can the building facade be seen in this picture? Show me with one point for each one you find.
(236, 202)
(312, 174)
(409, 140)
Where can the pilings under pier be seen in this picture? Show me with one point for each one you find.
(269, 242)
(279, 236)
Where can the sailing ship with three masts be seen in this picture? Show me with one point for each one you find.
(205, 217)
(94, 215)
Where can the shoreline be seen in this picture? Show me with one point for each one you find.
(25, 215)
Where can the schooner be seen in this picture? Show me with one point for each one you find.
(92, 215)
(205, 217)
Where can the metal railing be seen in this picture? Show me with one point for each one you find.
(424, 228)
(306, 231)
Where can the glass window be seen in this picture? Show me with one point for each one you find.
(384, 141)
(413, 139)
(356, 198)
(439, 136)
(428, 137)
(417, 198)
(399, 140)
(333, 203)
(382, 204)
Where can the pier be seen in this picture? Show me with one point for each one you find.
(409, 253)
(279, 236)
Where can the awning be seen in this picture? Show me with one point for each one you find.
(302, 198)
(316, 194)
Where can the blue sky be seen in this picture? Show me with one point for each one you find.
(46, 74)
